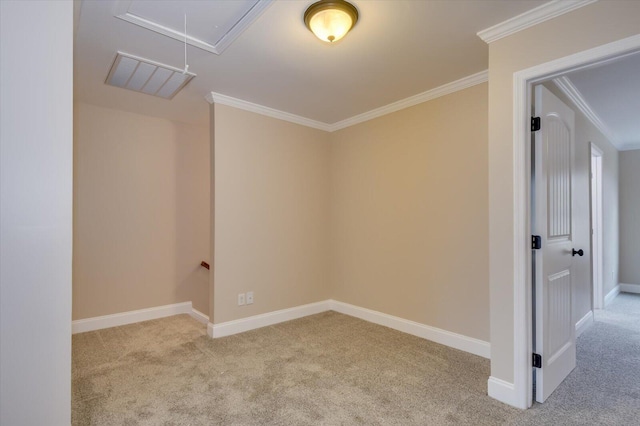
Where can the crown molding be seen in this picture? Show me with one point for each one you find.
(572, 92)
(530, 18)
(219, 98)
(446, 89)
(630, 146)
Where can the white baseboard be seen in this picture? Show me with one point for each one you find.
(630, 288)
(584, 323)
(123, 318)
(454, 340)
(502, 391)
(611, 295)
(258, 321)
(447, 338)
(505, 391)
(199, 316)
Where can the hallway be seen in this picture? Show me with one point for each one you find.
(604, 388)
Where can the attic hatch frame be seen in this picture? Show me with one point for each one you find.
(121, 11)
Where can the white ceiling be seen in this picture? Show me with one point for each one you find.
(399, 48)
(612, 92)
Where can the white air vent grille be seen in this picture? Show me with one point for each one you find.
(146, 76)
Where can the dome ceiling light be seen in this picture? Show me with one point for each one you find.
(330, 20)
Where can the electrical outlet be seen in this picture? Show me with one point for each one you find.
(249, 297)
(241, 299)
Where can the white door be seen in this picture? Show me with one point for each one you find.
(552, 221)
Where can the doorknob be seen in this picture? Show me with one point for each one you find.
(578, 252)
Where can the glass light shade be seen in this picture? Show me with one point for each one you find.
(331, 20)
(330, 25)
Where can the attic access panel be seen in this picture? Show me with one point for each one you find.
(147, 76)
(211, 25)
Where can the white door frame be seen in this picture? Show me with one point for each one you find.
(522, 83)
(595, 184)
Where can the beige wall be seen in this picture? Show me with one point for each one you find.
(281, 192)
(409, 214)
(587, 27)
(141, 212)
(271, 213)
(380, 215)
(630, 217)
(585, 134)
(192, 214)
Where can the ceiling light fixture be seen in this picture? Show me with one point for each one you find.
(330, 20)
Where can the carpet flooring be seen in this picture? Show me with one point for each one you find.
(604, 388)
(332, 369)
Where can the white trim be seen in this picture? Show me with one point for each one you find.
(446, 89)
(244, 23)
(447, 338)
(219, 98)
(123, 318)
(523, 335)
(263, 320)
(629, 146)
(121, 11)
(522, 81)
(444, 337)
(199, 316)
(584, 323)
(501, 390)
(611, 295)
(572, 92)
(530, 18)
(596, 159)
(629, 288)
(453, 340)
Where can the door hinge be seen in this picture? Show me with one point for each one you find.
(537, 361)
(536, 242)
(535, 124)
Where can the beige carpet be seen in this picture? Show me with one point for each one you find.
(327, 369)
(604, 388)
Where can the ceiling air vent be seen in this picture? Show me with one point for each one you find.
(146, 76)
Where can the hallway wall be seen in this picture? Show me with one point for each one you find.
(630, 218)
(36, 157)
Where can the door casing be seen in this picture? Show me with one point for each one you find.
(523, 83)
(597, 262)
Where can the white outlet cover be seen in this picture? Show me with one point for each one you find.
(241, 299)
(249, 298)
